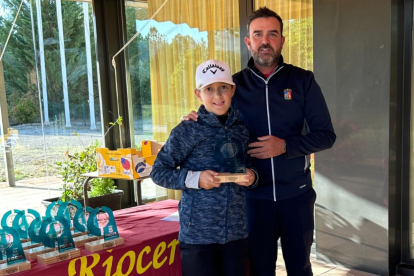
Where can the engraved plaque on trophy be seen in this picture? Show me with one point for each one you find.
(228, 153)
(101, 221)
(80, 224)
(16, 261)
(54, 230)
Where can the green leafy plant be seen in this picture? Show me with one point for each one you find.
(24, 108)
(80, 162)
(101, 186)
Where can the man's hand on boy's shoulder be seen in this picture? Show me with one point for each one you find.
(251, 179)
(191, 116)
(206, 180)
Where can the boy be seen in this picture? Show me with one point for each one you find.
(213, 222)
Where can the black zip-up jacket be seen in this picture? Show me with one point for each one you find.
(288, 104)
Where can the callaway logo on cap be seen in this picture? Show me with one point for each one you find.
(213, 71)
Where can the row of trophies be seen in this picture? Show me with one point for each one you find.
(66, 226)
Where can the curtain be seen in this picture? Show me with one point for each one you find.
(202, 30)
(194, 31)
(297, 19)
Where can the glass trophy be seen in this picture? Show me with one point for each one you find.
(2, 254)
(57, 231)
(52, 208)
(34, 230)
(67, 210)
(73, 207)
(34, 234)
(229, 154)
(21, 223)
(101, 222)
(8, 217)
(16, 260)
(80, 224)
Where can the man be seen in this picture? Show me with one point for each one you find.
(287, 117)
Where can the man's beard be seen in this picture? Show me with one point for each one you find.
(270, 59)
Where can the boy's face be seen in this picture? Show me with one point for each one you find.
(216, 97)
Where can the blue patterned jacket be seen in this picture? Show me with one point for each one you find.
(216, 215)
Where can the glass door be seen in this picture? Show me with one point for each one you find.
(48, 92)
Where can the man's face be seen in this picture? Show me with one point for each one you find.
(265, 41)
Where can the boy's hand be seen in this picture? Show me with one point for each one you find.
(251, 178)
(191, 116)
(206, 180)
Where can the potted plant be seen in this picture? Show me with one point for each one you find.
(101, 191)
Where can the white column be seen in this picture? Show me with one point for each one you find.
(89, 64)
(42, 61)
(63, 62)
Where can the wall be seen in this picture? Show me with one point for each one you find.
(352, 44)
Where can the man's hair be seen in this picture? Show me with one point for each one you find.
(263, 12)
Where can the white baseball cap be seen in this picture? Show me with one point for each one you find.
(212, 71)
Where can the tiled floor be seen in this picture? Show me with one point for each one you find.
(320, 268)
(28, 194)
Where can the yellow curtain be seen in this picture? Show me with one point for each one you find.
(174, 56)
(175, 52)
(297, 19)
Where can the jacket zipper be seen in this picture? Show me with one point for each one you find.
(268, 122)
(228, 197)
(306, 163)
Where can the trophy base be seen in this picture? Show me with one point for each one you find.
(77, 234)
(102, 244)
(24, 240)
(14, 268)
(81, 240)
(29, 245)
(32, 253)
(230, 177)
(56, 256)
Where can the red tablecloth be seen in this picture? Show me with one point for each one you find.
(151, 247)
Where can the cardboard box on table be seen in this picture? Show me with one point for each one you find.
(127, 163)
